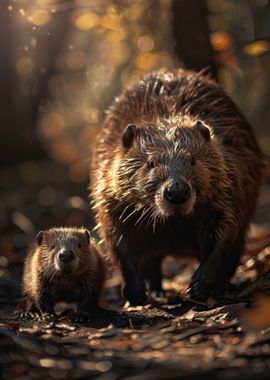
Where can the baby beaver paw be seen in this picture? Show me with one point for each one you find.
(29, 315)
(82, 316)
(38, 316)
(136, 295)
(49, 317)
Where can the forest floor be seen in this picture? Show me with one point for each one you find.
(169, 338)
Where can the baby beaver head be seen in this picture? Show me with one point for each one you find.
(64, 251)
(166, 168)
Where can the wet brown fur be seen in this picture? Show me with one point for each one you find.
(44, 285)
(227, 178)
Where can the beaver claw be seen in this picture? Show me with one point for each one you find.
(201, 287)
(82, 316)
(38, 315)
(199, 291)
(29, 314)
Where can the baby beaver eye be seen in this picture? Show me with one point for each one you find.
(151, 164)
(192, 161)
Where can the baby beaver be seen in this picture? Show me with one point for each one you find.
(64, 266)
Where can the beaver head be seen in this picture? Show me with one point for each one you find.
(64, 251)
(166, 168)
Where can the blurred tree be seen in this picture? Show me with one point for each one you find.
(21, 97)
(191, 34)
(17, 132)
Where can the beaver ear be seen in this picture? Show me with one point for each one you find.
(205, 132)
(87, 236)
(39, 237)
(128, 135)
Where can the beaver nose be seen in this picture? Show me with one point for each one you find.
(178, 192)
(66, 256)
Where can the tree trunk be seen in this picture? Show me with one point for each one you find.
(191, 34)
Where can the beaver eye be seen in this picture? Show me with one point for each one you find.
(79, 245)
(193, 161)
(51, 247)
(151, 164)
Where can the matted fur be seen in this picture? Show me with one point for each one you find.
(166, 107)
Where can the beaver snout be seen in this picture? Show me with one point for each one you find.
(66, 256)
(177, 192)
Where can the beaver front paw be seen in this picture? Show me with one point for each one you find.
(199, 291)
(202, 285)
(136, 295)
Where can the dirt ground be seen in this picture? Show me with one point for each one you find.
(169, 338)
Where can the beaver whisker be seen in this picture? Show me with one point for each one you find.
(144, 212)
(125, 209)
(156, 218)
(150, 218)
(146, 215)
(117, 207)
(132, 213)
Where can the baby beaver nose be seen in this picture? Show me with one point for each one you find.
(66, 256)
(177, 193)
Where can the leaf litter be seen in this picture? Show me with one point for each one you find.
(172, 337)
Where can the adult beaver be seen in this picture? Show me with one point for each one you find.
(176, 169)
(64, 266)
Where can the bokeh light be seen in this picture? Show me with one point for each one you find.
(256, 48)
(84, 20)
(145, 43)
(24, 65)
(39, 17)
